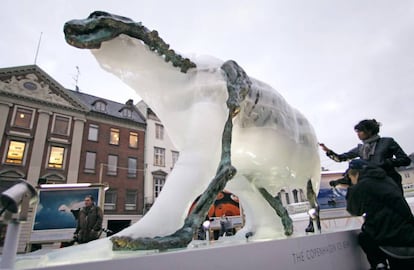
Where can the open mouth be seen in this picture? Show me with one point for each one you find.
(92, 31)
(101, 26)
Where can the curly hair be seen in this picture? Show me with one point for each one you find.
(369, 126)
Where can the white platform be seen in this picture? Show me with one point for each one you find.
(337, 250)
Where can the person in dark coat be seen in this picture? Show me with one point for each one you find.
(388, 220)
(384, 152)
(89, 223)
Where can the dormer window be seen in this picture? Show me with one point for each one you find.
(127, 113)
(126, 110)
(100, 106)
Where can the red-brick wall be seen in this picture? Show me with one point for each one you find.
(120, 182)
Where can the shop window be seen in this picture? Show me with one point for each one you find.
(56, 157)
(16, 152)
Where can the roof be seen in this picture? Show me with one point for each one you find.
(113, 108)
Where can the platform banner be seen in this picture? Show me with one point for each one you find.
(56, 213)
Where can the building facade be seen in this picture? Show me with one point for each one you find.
(58, 136)
(160, 155)
(112, 154)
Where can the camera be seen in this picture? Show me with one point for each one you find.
(344, 181)
(17, 195)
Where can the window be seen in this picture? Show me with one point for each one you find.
(23, 117)
(112, 165)
(61, 125)
(16, 152)
(93, 133)
(132, 167)
(287, 198)
(133, 140)
(131, 200)
(159, 156)
(159, 181)
(127, 113)
(110, 200)
(114, 136)
(90, 162)
(174, 155)
(56, 157)
(295, 196)
(100, 106)
(159, 131)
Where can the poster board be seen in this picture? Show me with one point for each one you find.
(54, 218)
(330, 198)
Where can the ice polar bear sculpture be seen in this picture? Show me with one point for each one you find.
(226, 125)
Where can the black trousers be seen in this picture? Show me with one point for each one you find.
(376, 256)
(371, 249)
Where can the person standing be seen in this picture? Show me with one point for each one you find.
(384, 152)
(89, 223)
(388, 220)
(223, 225)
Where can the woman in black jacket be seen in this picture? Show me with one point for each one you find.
(380, 151)
(388, 220)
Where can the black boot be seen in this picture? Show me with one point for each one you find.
(310, 227)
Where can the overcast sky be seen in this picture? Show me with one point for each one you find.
(338, 62)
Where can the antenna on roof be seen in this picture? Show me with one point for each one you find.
(38, 47)
(76, 78)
